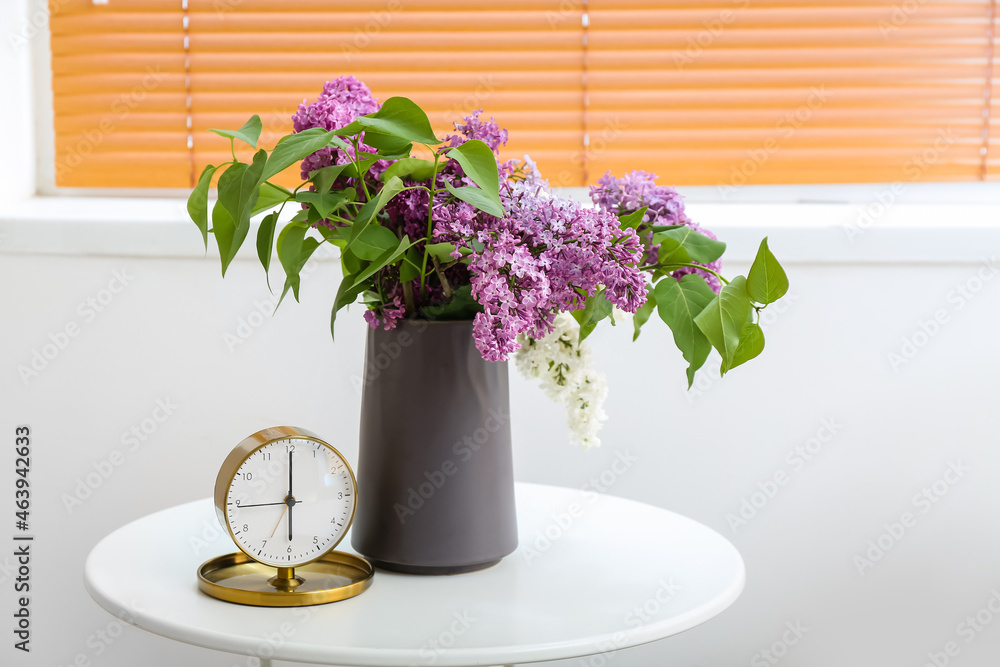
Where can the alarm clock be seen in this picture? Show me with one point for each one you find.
(286, 497)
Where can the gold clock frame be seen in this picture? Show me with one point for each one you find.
(245, 450)
(241, 578)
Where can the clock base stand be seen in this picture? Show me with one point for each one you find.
(239, 579)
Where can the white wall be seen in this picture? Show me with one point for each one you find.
(699, 453)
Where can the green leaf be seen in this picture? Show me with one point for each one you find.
(324, 177)
(224, 229)
(462, 306)
(347, 292)
(351, 263)
(766, 282)
(336, 235)
(385, 259)
(664, 228)
(479, 164)
(642, 315)
(327, 203)
(410, 168)
(269, 196)
(294, 250)
(385, 144)
(197, 204)
(722, 320)
(441, 250)
(632, 220)
(700, 248)
(296, 147)
(353, 282)
(403, 118)
(478, 198)
(337, 142)
(371, 208)
(250, 132)
(238, 192)
(409, 268)
(374, 241)
(671, 252)
(265, 241)
(596, 309)
(366, 160)
(678, 304)
(751, 345)
(352, 129)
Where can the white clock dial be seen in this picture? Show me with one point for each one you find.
(290, 501)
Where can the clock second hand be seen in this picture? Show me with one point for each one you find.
(279, 519)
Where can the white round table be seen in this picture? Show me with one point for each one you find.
(593, 574)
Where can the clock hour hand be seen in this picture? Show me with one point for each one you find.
(262, 504)
(290, 500)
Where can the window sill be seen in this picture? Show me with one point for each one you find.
(806, 232)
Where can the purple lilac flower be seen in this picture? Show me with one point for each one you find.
(489, 132)
(407, 213)
(341, 101)
(544, 257)
(666, 207)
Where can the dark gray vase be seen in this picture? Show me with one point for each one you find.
(435, 474)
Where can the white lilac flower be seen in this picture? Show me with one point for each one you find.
(563, 365)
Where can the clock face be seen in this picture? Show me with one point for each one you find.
(290, 501)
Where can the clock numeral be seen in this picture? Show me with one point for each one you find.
(290, 448)
(265, 456)
(340, 495)
(245, 528)
(263, 543)
(247, 475)
(238, 502)
(315, 539)
(289, 549)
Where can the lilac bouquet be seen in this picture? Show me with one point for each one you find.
(466, 236)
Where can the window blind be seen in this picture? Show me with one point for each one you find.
(722, 92)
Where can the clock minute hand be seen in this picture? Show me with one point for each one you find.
(262, 505)
(290, 500)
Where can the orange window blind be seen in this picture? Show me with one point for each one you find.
(722, 92)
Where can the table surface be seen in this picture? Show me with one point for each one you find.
(593, 573)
